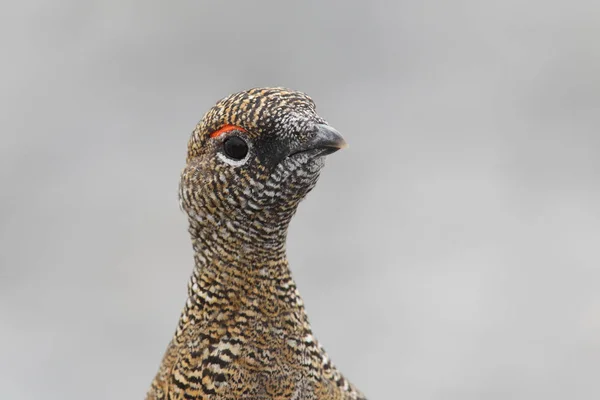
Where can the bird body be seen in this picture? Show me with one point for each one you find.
(244, 332)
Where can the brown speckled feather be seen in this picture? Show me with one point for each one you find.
(244, 333)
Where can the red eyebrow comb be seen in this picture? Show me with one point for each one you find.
(225, 129)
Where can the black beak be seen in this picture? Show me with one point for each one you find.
(324, 137)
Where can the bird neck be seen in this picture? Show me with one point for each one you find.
(242, 240)
(244, 257)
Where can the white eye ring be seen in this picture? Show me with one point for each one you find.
(235, 163)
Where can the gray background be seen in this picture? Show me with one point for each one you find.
(452, 252)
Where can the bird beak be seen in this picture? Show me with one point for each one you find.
(326, 138)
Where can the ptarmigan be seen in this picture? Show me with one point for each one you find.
(244, 333)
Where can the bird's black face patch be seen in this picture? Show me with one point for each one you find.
(251, 154)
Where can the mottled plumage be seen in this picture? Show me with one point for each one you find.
(244, 333)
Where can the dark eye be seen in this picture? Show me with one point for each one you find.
(235, 147)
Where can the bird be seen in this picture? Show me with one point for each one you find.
(244, 331)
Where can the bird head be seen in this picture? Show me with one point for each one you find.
(256, 151)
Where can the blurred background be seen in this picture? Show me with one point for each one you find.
(452, 252)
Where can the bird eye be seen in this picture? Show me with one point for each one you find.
(235, 147)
